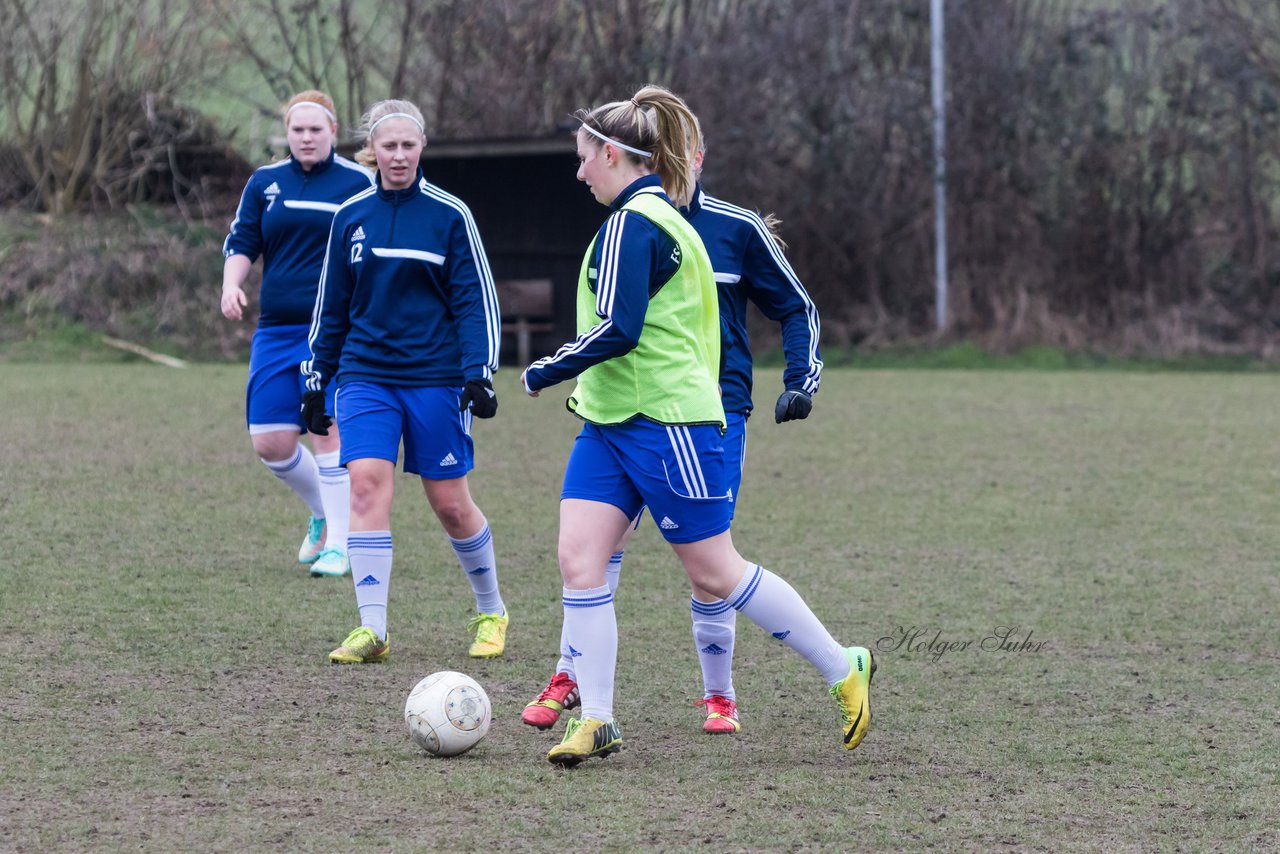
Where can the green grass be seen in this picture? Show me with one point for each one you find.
(967, 355)
(35, 340)
(166, 686)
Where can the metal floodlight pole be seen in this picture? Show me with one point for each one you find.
(938, 54)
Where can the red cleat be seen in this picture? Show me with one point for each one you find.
(722, 715)
(560, 694)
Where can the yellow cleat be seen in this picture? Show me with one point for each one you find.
(362, 646)
(853, 695)
(491, 635)
(584, 738)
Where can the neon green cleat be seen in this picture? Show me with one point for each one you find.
(362, 646)
(491, 635)
(314, 543)
(853, 695)
(332, 563)
(584, 738)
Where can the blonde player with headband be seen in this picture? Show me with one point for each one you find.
(406, 329)
(646, 361)
(750, 266)
(284, 217)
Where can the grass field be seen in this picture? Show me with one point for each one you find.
(163, 659)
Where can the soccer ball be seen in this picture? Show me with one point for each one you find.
(447, 713)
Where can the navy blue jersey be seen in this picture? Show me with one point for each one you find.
(749, 265)
(406, 296)
(284, 216)
(637, 264)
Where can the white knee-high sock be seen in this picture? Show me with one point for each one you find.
(613, 572)
(335, 494)
(592, 630)
(370, 553)
(565, 665)
(301, 474)
(773, 605)
(714, 631)
(612, 575)
(475, 555)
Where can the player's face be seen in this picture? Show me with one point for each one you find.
(310, 135)
(398, 147)
(593, 169)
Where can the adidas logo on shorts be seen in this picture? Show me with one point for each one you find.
(667, 525)
(449, 460)
(359, 235)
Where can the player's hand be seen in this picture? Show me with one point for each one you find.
(233, 303)
(793, 405)
(480, 396)
(524, 382)
(313, 415)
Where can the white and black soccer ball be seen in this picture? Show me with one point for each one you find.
(447, 713)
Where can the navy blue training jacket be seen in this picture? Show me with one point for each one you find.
(406, 297)
(750, 266)
(284, 216)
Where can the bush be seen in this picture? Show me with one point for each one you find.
(140, 274)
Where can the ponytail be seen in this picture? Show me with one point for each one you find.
(656, 130)
(772, 222)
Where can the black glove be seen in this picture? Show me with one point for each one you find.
(480, 396)
(313, 413)
(792, 405)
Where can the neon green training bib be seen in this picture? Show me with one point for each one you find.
(672, 376)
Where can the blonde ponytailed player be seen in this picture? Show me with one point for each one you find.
(646, 361)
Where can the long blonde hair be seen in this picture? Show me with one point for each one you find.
(365, 156)
(772, 223)
(657, 121)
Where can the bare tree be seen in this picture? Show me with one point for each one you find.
(1113, 167)
(1254, 28)
(85, 86)
(341, 46)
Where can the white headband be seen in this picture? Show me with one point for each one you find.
(589, 129)
(413, 119)
(326, 110)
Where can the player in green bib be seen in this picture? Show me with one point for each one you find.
(670, 376)
(646, 359)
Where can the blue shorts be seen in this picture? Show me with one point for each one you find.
(679, 472)
(735, 458)
(735, 453)
(273, 395)
(437, 437)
